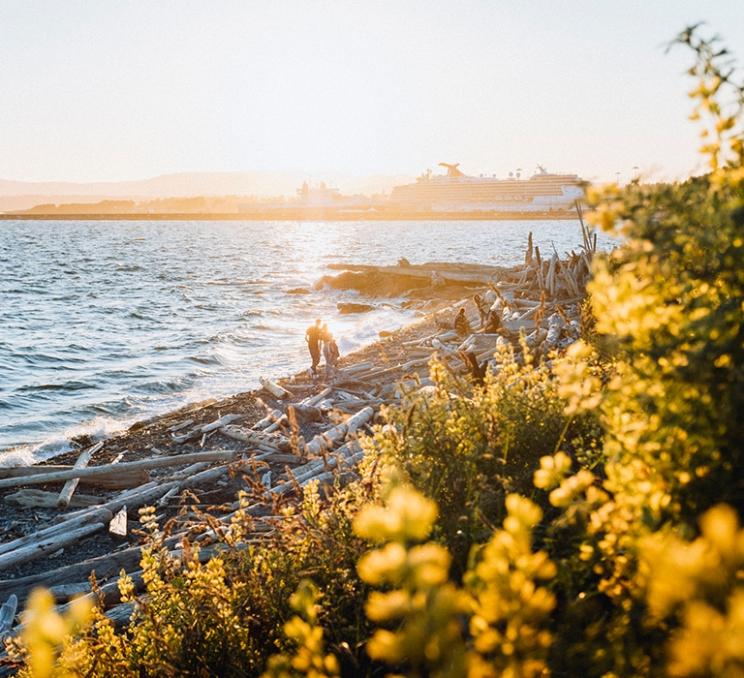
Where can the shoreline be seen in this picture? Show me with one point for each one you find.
(305, 215)
(408, 285)
(57, 446)
(158, 436)
(208, 403)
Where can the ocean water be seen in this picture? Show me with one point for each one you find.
(104, 323)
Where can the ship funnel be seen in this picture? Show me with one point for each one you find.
(452, 170)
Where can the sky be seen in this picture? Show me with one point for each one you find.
(115, 89)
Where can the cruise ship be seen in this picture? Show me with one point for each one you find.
(457, 192)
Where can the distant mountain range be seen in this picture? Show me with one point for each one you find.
(19, 195)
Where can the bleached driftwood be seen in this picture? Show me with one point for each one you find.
(311, 401)
(163, 501)
(148, 492)
(117, 479)
(552, 272)
(44, 546)
(67, 591)
(219, 423)
(109, 593)
(274, 388)
(515, 326)
(40, 543)
(281, 421)
(7, 615)
(107, 565)
(312, 468)
(351, 406)
(71, 485)
(267, 420)
(207, 428)
(118, 524)
(479, 343)
(420, 351)
(329, 438)
(443, 336)
(104, 512)
(30, 498)
(354, 369)
(179, 425)
(438, 345)
(92, 471)
(258, 438)
(376, 374)
(119, 615)
(555, 326)
(95, 514)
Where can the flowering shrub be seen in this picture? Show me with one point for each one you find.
(467, 448)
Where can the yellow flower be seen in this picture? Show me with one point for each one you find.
(386, 646)
(382, 607)
(429, 564)
(408, 515)
(720, 526)
(552, 471)
(384, 565)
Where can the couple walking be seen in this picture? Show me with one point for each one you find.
(316, 334)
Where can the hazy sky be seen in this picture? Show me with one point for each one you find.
(111, 89)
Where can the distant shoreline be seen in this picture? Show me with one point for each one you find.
(303, 215)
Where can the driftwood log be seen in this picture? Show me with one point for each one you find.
(30, 498)
(274, 388)
(71, 485)
(207, 428)
(328, 439)
(43, 546)
(118, 478)
(92, 471)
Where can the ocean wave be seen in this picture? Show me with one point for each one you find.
(44, 359)
(53, 445)
(72, 385)
(203, 360)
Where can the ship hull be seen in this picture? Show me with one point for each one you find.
(539, 194)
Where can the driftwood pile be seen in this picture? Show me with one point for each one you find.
(300, 440)
(270, 449)
(540, 300)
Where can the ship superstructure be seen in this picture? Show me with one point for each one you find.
(458, 192)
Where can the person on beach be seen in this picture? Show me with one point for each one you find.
(482, 307)
(330, 352)
(313, 337)
(492, 322)
(462, 326)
